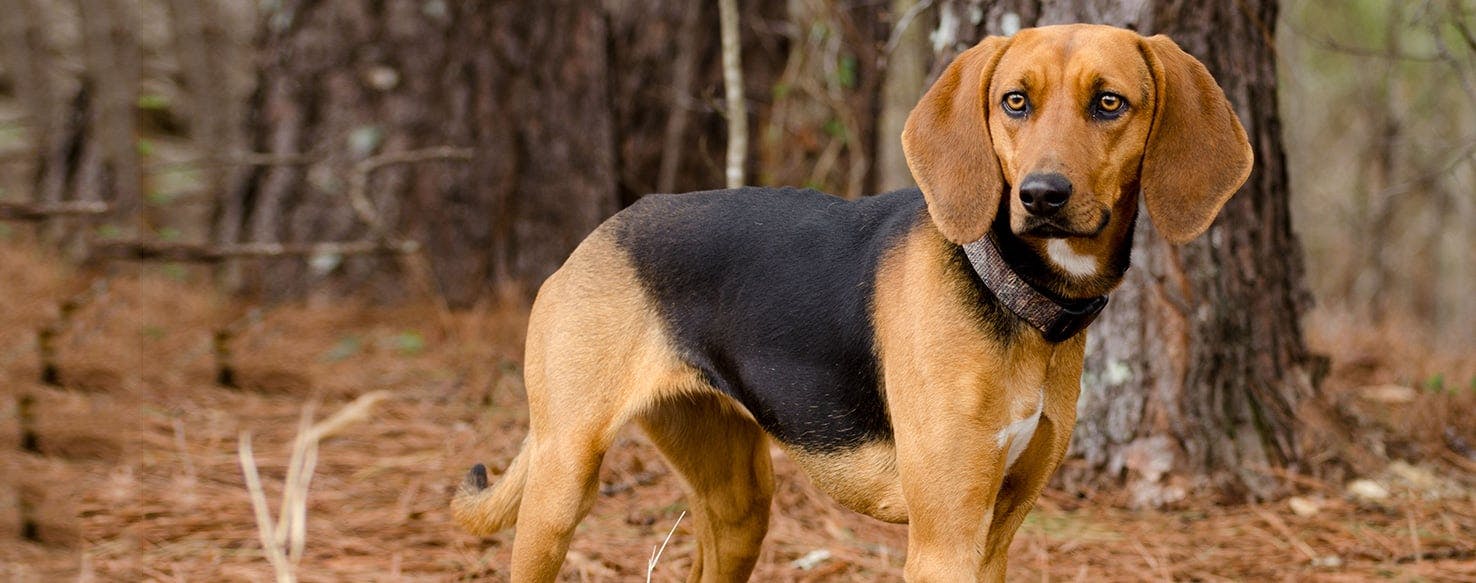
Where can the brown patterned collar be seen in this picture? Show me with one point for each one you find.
(1057, 319)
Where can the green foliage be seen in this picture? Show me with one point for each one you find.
(346, 347)
(846, 71)
(175, 271)
(109, 231)
(835, 129)
(153, 102)
(145, 147)
(1435, 384)
(407, 343)
(169, 233)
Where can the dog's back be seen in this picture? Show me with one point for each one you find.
(768, 293)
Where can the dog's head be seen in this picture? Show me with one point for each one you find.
(1070, 123)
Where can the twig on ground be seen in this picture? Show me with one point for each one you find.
(1285, 531)
(656, 552)
(264, 526)
(283, 541)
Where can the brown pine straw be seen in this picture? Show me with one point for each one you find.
(140, 478)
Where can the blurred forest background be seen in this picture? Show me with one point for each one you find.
(230, 122)
(300, 156)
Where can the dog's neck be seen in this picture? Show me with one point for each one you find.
(1029, 281)
(1056, 318)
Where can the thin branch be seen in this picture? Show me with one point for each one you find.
(737, 108)
(1328, 44)
(656, 552)
(284, 541)
(902, 24)
(359, 181)
(11, 211)
(194, 253)
(265, 530)
(238, 159)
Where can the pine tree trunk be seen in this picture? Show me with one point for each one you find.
(571, 110)
(1197, 369)
(523, 86)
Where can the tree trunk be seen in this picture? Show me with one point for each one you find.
(523, 86)
(905, 70)
(82, 124)
(1196, 370)
(570, 109)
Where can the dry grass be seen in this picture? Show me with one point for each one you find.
(137, 477)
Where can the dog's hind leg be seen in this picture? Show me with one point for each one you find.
(597, 355)
(723, 459)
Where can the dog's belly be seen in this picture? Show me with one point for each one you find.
(862, 478)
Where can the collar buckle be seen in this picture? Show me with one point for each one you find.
(1073, 319)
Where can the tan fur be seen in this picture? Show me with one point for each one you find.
(599, 356)
(491, 510)
(863, 479)
(1198, 154)
(723, 459)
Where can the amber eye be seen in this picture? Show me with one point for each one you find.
(1109, 105)
(1015, 103)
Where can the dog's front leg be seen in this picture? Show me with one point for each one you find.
(951, 467)
(1027, 478)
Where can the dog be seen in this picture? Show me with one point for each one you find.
(918, 353)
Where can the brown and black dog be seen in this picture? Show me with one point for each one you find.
(918, 353)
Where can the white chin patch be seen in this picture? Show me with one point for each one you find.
(1070, 261)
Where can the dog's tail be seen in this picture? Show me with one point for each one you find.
(483, 511)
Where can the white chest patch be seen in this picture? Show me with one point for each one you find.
(1016, 436)
(1069, 260)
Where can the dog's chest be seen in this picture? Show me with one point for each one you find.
(1017, 435)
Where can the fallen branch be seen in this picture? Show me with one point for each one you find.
(196, 253)
(238, 159)
(11, 211)
(656, 552)
(284, 539)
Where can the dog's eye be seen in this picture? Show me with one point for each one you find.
(1015, 103)
(1109, 105)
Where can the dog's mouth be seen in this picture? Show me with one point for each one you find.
(1061, 228)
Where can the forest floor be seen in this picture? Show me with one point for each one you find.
(131, 472)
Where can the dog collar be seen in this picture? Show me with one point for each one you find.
(1057, 319)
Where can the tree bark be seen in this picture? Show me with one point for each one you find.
(906, 68)
(571, 109)
(1197, 369)
(524, 86)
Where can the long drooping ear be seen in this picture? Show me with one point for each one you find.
(946, 142)
(1197, 154)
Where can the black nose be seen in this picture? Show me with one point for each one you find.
(1045, 194)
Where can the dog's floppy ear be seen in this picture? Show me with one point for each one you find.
(1197, 154)
(947, 145)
